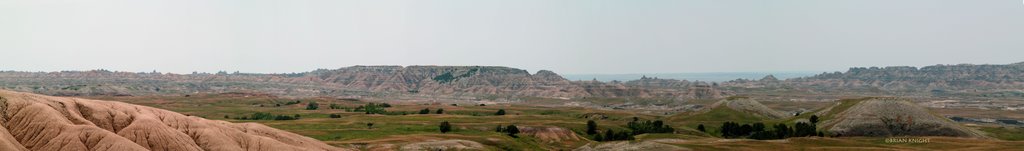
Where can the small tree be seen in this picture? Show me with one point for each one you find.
(369, 125)
(335, 116)
(445, 127)
(500, 112)
(701, 128)
(814, 119)
(499, 129)
(512, 130)
(591, 127)
(425, 111)
(312, 106)
(440, 111)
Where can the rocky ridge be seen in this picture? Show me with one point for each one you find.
(929, 80)
(356, 80)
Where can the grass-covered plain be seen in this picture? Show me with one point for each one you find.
(470, 121)
(477, 123)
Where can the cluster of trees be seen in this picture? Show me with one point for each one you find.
(591, 127)
(444, 78)
(610, 135)
(312, 106)
(445, 127)
(778, 131)
(267, 116)
(510, 130)
(427, 111)
(636, 126)
(735, 130)
(648, 126)
(449, 77)
(373, 108)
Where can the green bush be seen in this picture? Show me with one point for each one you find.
(312, 106)
(445, 127)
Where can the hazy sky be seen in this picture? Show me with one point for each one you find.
(567, 36)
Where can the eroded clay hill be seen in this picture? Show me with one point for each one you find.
(891, 117)
(37, 122)
(749, 106)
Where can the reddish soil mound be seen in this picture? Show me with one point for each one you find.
(37, 122)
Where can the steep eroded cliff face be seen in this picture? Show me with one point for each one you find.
(37, 122)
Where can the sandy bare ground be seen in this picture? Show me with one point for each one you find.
(37, 122)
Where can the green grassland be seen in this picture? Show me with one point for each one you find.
(476, 123)
(1005, 133)
(471, 121)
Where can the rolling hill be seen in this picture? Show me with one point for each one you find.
(882, 117)
(37, 122)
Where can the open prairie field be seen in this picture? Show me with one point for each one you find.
(345, 125)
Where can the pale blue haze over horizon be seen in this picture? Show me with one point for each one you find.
(565, 36)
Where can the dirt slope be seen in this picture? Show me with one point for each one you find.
(747, 106)
(37, 122)
(550, 134)
(892, 117)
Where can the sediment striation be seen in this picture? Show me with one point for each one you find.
(37, 122)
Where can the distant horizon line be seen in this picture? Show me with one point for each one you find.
(533, 71)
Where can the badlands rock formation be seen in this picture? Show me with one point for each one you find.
(550, 134)
(453, 145)
(892, 117)
(451, 80)
(754, 107)
(356, 80)
(747, 106)
(929, 80)
(630, 146)
(37, 122)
